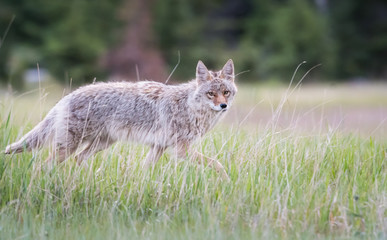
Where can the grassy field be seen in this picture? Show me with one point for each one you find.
(299, 170)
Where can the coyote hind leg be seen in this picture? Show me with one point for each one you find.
(60, 154)
(63, 146)
(93, 148)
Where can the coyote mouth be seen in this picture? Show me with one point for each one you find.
(219, 110)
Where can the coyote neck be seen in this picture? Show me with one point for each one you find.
(198, 118)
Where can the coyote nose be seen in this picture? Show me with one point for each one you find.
(223, 105)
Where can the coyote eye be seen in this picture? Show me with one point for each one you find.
(210, 94)
(226, 93)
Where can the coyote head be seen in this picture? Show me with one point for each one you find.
(215, 89)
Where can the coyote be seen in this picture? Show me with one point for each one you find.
(161, 116)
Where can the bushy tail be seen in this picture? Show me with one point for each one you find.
(35, 138)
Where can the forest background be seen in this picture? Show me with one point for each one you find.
(79, 40)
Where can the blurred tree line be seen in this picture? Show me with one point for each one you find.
(83, 39)
(66, 37)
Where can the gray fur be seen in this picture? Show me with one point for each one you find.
(151, 113)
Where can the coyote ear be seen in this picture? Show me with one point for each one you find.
(228, 70)
(202, 74)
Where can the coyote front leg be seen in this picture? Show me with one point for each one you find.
(212, 163)
(153, 155)
(183, 149)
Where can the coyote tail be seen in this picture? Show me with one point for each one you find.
(35, 138)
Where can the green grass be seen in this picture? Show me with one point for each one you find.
(284, 185)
